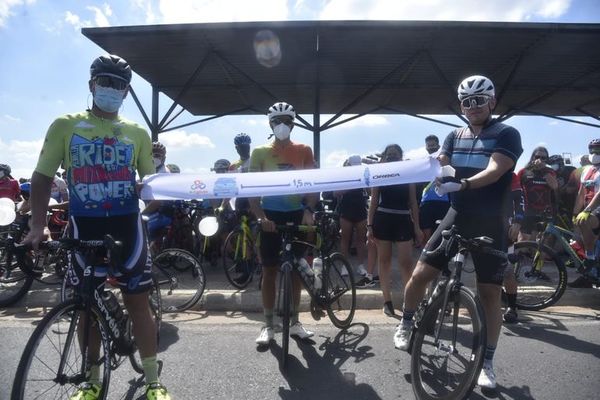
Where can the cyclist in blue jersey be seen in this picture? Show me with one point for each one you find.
(484, 155)
(104, 154)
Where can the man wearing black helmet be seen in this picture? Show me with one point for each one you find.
(483, 155)
(103, 155)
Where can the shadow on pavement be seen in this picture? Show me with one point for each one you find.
(322, 378)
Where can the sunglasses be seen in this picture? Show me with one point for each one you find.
(474, 101)
(111, 82)
(287, 121)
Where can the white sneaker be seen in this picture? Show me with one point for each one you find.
(265, 337)
(487, 377)
(361, 270)
(298, 330)
(402, 336)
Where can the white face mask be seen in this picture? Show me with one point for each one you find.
(157, 162)
(594, 158)
(554, 167)
(108, 99)
(282, 131)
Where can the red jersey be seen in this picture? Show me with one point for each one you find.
(9, 188)
(538, 195)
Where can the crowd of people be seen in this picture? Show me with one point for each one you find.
(485, 197)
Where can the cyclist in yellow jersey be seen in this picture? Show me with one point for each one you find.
(103, 154)
(281, 154)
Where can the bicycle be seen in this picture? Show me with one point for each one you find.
(448, 340)
(336, 294)
(55, 362)
(540, 272)
(240, 259)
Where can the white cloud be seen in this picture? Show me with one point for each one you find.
(222, 10)
(146, 7)
(415, 153)
(180, 139)
(335, 159)
(7, 6)
(11, 118)
(21, 155)
(457, 10)
(101, 15)
(364, 121)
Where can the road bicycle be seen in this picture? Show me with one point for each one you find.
(336, 293)
(448, 340)
(541, 272)
(58, 356)
(240, 259)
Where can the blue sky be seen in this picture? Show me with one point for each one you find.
(45, 62)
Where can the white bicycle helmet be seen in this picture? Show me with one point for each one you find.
(281, 108)
(476, 85)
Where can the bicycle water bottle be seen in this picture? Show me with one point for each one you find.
(305, 270)
(318, 271)
(111, 303)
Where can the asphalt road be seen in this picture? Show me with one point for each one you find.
(548, 355)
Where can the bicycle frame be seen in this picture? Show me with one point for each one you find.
(560, 234)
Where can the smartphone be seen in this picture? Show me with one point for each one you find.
(567, 158)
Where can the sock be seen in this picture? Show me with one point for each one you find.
(268, 317)
(94, 375)
(489, 354)
(407, 317)
(511, 298)
(590, 255)
(294, 316)
(150, 366)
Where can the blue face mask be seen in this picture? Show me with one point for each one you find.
(108, 99)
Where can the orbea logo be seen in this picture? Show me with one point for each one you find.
(383, 176)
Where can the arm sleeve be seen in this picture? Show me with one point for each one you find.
(509, 144)
(145, 166)
(53, 149)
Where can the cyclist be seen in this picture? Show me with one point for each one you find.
(432, 207)
(242, 145)
(280, 154)
(539, 184)
(9, 187)
(102, 153)
(484, 155)
(173, 168)
(566, 191)
(393, 219)
(159, 157)
(587, 213)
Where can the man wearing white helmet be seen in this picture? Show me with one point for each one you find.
(280, 154)
(484, 154)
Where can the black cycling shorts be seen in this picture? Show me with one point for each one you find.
(270, 242)
(393, 227)
(489, 269)
(432, 211)
(529, 224)
(135, 273)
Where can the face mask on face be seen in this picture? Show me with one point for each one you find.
(554, 167)
(594, 158)
(108, 99)
(282, 131)
(157, 162)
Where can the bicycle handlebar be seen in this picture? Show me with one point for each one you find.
(451, 241)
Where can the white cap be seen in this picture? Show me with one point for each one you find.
(354, 159)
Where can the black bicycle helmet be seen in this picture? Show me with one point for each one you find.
(242, 138)
(556, 159)
(5, 168)
(111, 65)
(159, 148)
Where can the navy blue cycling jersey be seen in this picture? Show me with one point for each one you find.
(470, 154)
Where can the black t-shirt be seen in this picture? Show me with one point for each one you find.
(394, 197)
(470, 155)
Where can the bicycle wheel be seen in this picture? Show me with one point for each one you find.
(340, 290)
(15, 282)
(447, 367)
(156, 309)
(541, 276)
(285, 309)
(239, 265)
(180, 278)
(55, 342)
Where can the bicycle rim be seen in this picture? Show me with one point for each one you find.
(54, 340)
(340, 288)
(447, 368)
(181, 279)
(14, 281)
(540, 274)
(239, 263)
(285, 304)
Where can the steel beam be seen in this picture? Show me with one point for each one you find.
(397, 111)
(155, 128)
(351, 118)
(589, 114)
(141, 108)
(206, 119)
(560, 118)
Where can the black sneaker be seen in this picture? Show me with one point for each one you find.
(376, 279)
(388, 309)
(365, 282)
(510, 316)
(580, 283)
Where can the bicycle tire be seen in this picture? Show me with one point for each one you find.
(15, 281)
(538, 290)
(156, 308)
(340, 295)
(467, 350)
(286, 310)
(54, 323)
(239, 270)
(181, 279)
